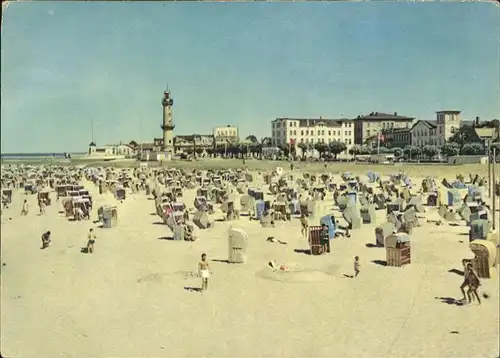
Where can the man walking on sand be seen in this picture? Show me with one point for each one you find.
(204, 272)
(91, 241)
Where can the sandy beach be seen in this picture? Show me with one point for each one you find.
(136, 295)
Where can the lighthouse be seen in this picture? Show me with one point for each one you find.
(168, 125)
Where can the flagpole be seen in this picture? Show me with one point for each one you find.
(378, 143)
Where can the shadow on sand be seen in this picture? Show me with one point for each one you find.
(84, 250)
(223, 261)
(302, 251)
(192, 289)
(380, 262)
(158, 223)
(450, 301)
(457, 272)
(370, 245)
(169, 238)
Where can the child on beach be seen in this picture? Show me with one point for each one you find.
(357, 265)
(204, 272)
(304, 224)
(91, 241)
(24, 210)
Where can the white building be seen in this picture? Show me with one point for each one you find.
(311, 131)
(436, 132)
(424, 133)
(111, 150)
(226, 134)
(448, 122)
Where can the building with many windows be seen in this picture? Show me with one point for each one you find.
(194, 141)
(226, 134)
(436, 132)
(310, 131)
(424, 133)
(370, 126)
(396, 138)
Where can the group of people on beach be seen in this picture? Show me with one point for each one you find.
(471, 280)
(91, 238)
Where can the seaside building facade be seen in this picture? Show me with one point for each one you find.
(226, 134)
(310, 131)
(370, 127)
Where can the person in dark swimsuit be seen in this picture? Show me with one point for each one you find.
(45, 240)
(91, 241)
(325, 238)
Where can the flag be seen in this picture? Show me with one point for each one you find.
(381, 137)
(166, 94)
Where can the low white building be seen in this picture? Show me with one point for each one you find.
(117, 150)
(310, 131)
(424, 133)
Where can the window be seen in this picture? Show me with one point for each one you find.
(319, 132)
(329, 132)
(322, 132)
(301, 132)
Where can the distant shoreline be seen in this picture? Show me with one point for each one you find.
(37, 155)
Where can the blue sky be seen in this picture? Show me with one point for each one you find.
(67, 64)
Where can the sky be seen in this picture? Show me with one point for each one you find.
(66, 65)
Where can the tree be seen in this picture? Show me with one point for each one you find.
(321, 148)
(133, 144)
(450, 149)
(397, 151)
(472, 149)
(430, 151)
(381, 150)
(284, 149)
(465, 134)
(365, 150)
(411, 151)
(336, 148)
(303, 147)
(252, 138)
(355, 150)
(199, 150)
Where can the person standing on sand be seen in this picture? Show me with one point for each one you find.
(466, 276)
(45, 240)
(357, 265)
(91, 241)
(41, 205)
(24, 210)
(325, 239)
(473, 282)
(204, 271)
(305, 225)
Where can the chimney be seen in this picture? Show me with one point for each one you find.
(477, 121)
(320, 118)
(395, 113)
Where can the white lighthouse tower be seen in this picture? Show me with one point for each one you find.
(168, 125)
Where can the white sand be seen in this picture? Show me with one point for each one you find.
(128, 299)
